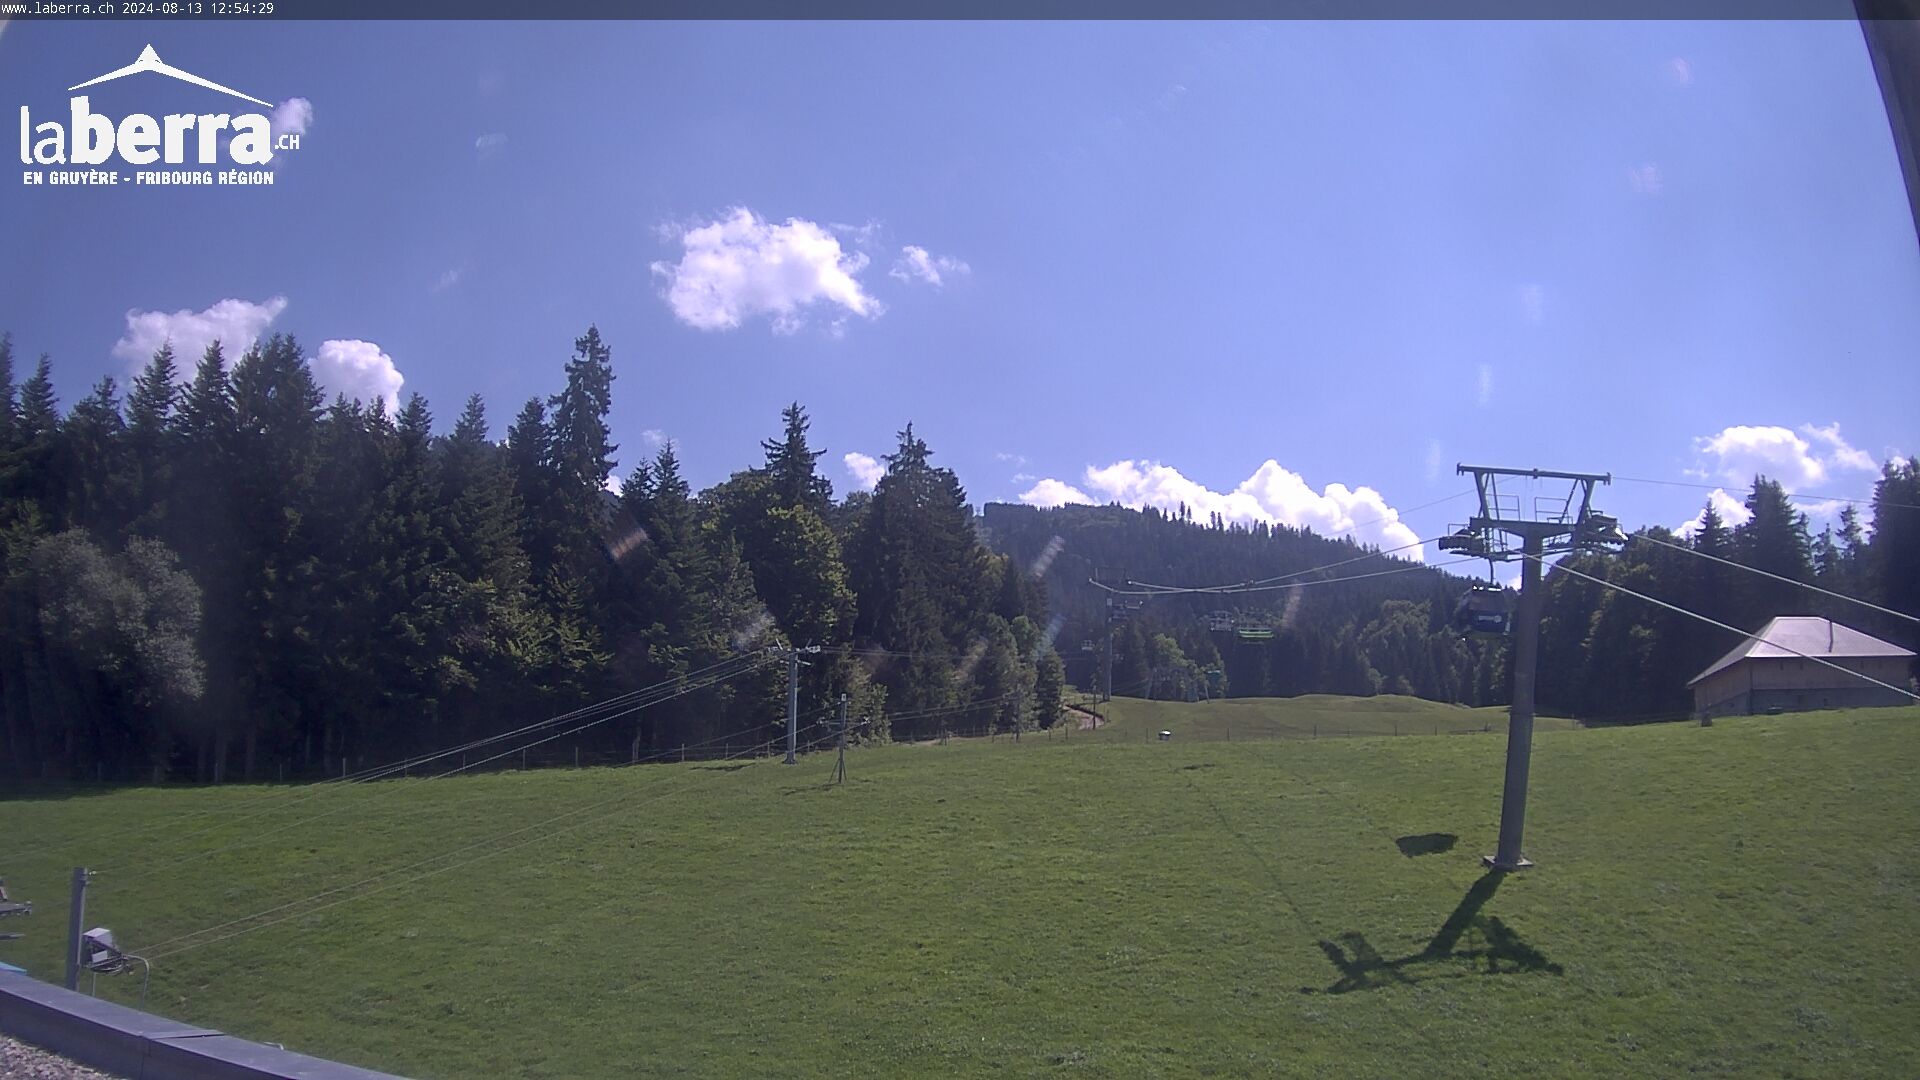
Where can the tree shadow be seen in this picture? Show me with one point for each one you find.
(1466, 944)
(736, 767)
(1433, 843)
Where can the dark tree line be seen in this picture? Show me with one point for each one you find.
(1606, 654)
(223, 575)
(226, 576)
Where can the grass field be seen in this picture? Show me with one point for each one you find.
(1738, 900)
(1305, 717)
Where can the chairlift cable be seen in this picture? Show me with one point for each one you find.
(1789, 494)
(258, 837)
(1777, 577)
(1745, 635)
(161, 949)
(287, 798)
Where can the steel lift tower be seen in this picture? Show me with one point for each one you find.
(1542, 526)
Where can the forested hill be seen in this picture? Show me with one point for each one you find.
(1604, 654)
(1338, 632)
(220, 573)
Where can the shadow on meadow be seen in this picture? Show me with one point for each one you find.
(1467, 943)
(1433, 843)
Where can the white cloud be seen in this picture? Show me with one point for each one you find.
(1484, 393)
(654, 438)
(450, 278)
(1054, 493)
(915, 264)
(1273, 495)
(1680, 71)
(1732, 512)
(1739, 453)
(292, 117)
(1644, 179)
(865, 237)
(1841, 455)
(1533, 304)
(741, 266)
(490, 144)
(235, 324)
(359, 370)
(864, 469)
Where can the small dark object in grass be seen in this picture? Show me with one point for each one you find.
(1432, 843)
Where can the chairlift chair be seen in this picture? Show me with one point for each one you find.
(1483, 611)
(100, 956)
(1601, 530)
(1464, 540)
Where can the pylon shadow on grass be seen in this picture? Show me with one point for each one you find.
(1493, 948)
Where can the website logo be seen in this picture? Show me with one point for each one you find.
(229, 147)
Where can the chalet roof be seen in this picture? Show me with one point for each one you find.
(1791, 636)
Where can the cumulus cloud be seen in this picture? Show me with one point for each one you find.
(865, 470)
(1273, 495)
(235, 324)
(490, 144)
(1737, 454)
(1052, 492)
(450, 278)
(654, 438)
(915, 264)
(1839, 454)
(1732, 512)
(292, 117)
(359, 370)
(1644, 179)
(742, 266)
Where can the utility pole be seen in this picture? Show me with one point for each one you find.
(793, 703)
(76, 919)
(1549, 526)
(840, 769)
(793, 698)
(1107, 683)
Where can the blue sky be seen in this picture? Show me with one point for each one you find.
(1167, 254)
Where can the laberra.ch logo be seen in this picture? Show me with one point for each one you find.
(220, 142)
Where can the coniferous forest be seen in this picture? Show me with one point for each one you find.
(221, 575)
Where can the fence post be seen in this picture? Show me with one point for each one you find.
(683, 753)
(343, 767)
(576, 757)
(76, 918)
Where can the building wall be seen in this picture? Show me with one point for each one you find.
(1795, 685)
